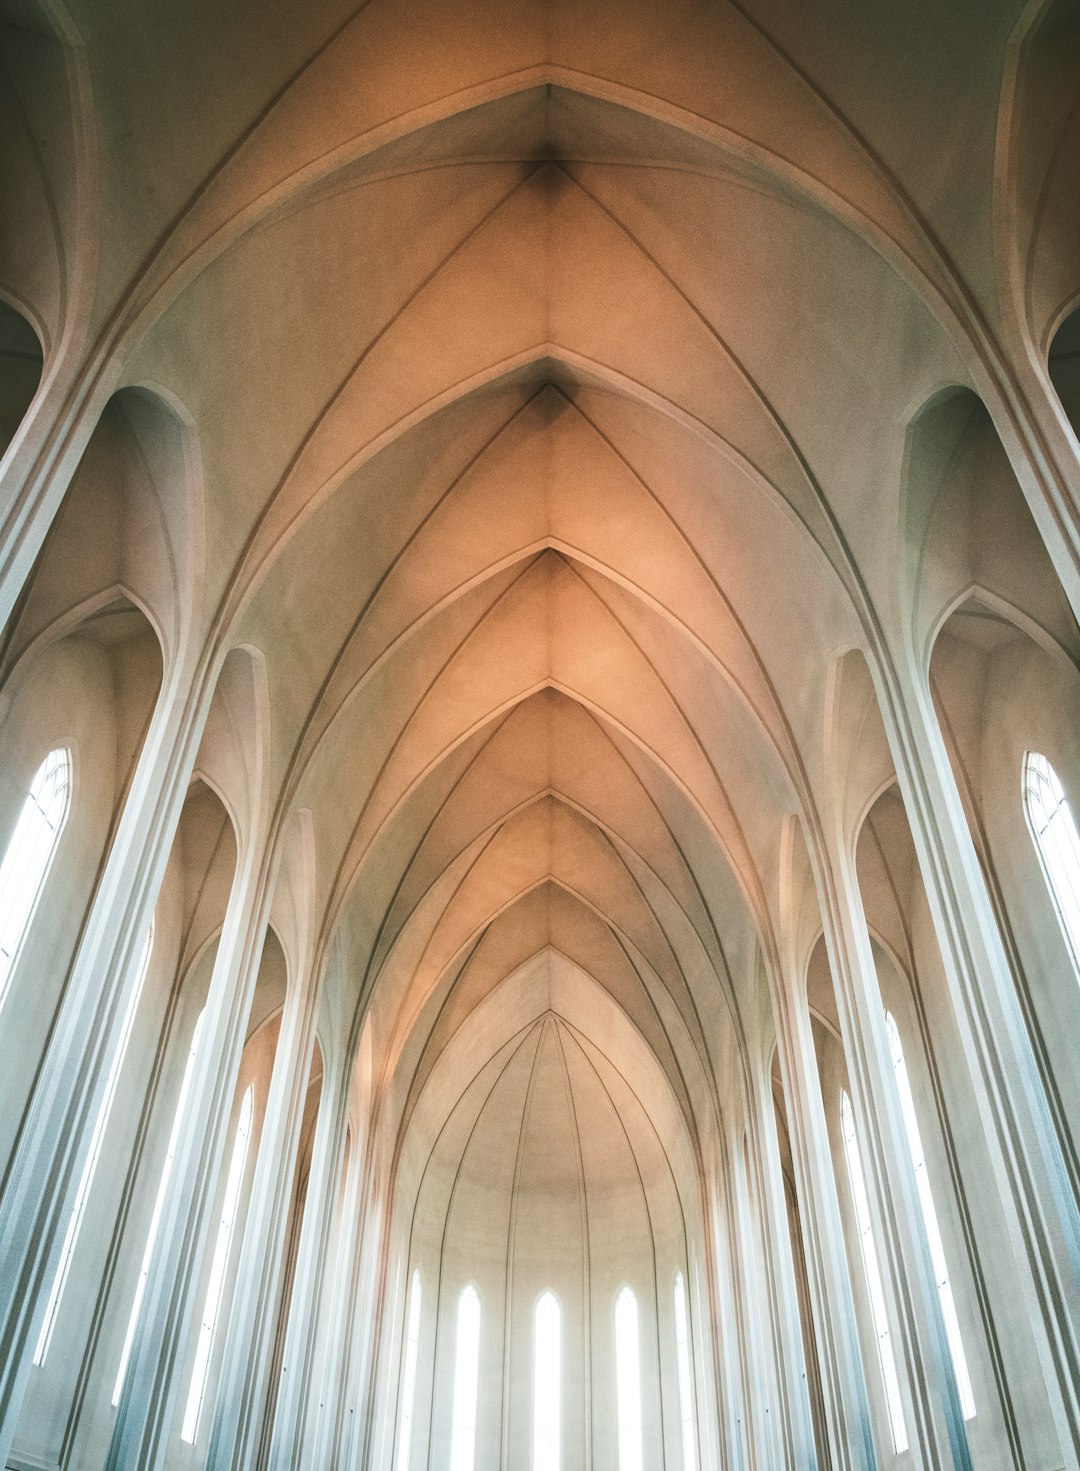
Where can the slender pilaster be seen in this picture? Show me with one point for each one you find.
(840, 1367)
(935, 1421)
(296, 1388)
(795, 1427)
(242, 1384)
(1038, 1204)
(54, 1139)
(145, 1416)
(337, 1293)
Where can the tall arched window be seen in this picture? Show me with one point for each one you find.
(1057, 843)
(408, 1379)
(71, 1235)
(466, 1381)
(930, 1222)
(547, 1383)
(686, 1386)
(216, 1285)
(159, 1208)
(875, 1292)
(628, 1380)
(29, 854)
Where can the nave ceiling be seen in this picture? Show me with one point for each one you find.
(531, 391)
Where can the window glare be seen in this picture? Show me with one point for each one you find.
(29, 854)
(1057, 842)
(686, 1390)
(78, 1209)
(466, 1381)
(930, 1222)
(408, 1382)
(873, 1276)
(547, 1375)
(628, 1380)
(159, 1208)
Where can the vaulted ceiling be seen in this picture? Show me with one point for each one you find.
(550, 368)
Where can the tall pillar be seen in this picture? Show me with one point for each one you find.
(932, 1410)
(1038, 1203)
(295, 1389)
(756, 1348)
(840, 1365)
(38, 466)
(145, 1415)
(337, 1294)
(1042, 449)
(249, 1342)
(795, 1427)
(361, 1372)
(43, 1177)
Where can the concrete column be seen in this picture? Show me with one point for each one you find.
(1030, 1175)
(145, 1418)
(249, 1344)
(1043, 451)
(934, 1419)
(38, 466)
(736, 1427)
(337, 1291)
(754, 1324)
(795, 1429)
(296, 1386)
(40, 1186)
(840, 1366)
(362, 1381)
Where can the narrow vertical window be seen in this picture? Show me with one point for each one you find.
(29, 854)
(216, 1285)
(408, 1380)
(875, 1292)
(78, 1209)
(466, 1381)
(930, 1222)
(628, 1380)
(547, 1383)
(1057, 843)
(686, 1387)
(159, 1208)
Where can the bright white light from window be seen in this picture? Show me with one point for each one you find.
(873, 1277)
(216, 1285)
(466, 1381)
(628, 1380)
(29, 854)
(159, 1208)
(686, 1388)
(78, 1209)
(408, 1382)
(1057, 843)
(930, 1222)
(547, 1383)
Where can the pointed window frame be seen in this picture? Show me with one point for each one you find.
(628, 1380)
(686, 1379)
(547, 1383)
(408, 1373)
(1054, 834)
(466, 1380)
(29, 856)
